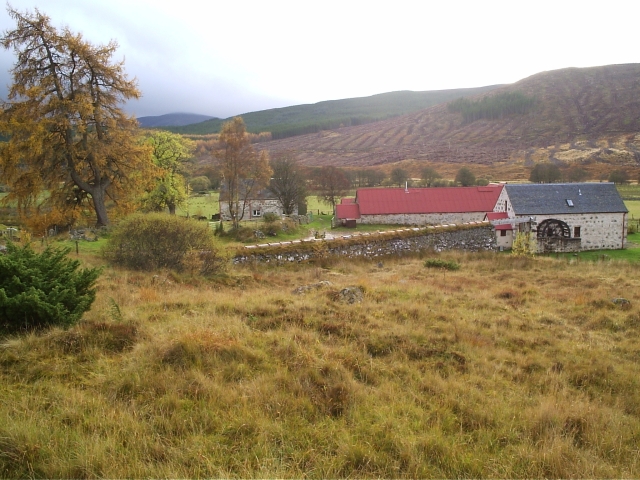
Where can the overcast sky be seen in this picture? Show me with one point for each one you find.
(224, 58)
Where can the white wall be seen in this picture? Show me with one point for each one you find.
(423, 218)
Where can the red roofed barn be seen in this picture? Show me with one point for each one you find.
(419, 206)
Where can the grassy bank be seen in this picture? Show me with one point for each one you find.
(504, 368)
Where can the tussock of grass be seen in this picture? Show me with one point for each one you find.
(509, 367)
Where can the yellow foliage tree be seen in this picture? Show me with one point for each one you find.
(70, 144)
(524, 245)
(244, 171)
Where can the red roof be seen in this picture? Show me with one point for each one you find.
(389, 201)
(497, 215)
(347, 211)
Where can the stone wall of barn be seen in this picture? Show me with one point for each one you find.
(598, 231)
(421, 219)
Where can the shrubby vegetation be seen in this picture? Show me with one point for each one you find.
(200, 183)
(465, 177)
(442, 264)
(619, 177)
(40, 290)
(545, 173)
(156, 241)
(492, 107)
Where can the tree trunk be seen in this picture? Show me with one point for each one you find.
(172, 208)
(102, 220)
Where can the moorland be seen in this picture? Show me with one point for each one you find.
(505, 367)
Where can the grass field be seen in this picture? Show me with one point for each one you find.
(505, 368)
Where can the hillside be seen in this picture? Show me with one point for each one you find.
(300, 119)
(172, 120)
(582, 116)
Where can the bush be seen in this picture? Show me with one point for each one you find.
(270, 217)
(443, 264)
(39, 290)
(157, 240)
(200, 184)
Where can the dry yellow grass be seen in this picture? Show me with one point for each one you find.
(505, 368)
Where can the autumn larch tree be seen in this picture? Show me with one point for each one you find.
(244, 171)
(68, 136)
(288, 183)
(169, 152)
(331, 184)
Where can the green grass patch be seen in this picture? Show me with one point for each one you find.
(442, 264)
(630, 254)
(634, 208)
(629, 192)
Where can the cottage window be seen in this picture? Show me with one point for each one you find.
(576, 232)
(257, 213)
(503, 233)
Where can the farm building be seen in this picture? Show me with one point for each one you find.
(563, 217)
(418, 206)
(255, 206)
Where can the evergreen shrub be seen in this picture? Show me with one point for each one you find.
(443, 264)
(39, 290)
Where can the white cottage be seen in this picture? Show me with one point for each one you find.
(563, 217)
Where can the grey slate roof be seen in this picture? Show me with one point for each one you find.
(551, 198)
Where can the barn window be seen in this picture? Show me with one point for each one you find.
(576, 232)
(257, 212)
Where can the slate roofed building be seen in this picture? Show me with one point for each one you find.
(419, 206)
(565, 217)
(255, 204)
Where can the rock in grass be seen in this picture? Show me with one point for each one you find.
(621, 302)
(350, 295)
(314, 286)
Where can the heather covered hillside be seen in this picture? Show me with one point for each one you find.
(587, 116)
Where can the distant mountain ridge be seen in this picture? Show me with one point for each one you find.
(311, 118)
(172, 120)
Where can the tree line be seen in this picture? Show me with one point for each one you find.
(492, 107)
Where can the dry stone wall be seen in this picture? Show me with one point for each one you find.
(475, 238)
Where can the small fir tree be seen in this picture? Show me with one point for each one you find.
(39, 290)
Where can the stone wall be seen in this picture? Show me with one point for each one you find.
(598, 231)
(553, 244)
(475, 238)
(423, 218)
